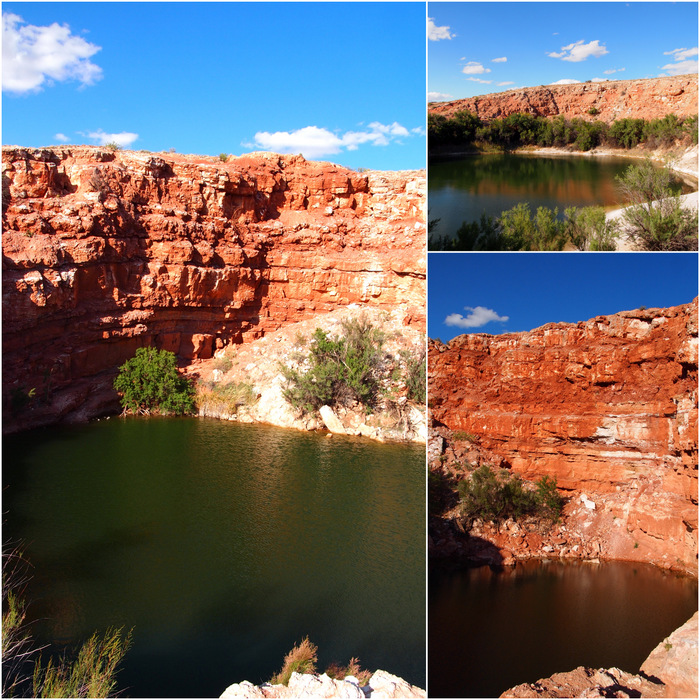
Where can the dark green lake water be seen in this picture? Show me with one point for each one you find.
(461, 189)
(489, 631)
(222, 545)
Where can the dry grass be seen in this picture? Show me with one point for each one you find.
(301, 659)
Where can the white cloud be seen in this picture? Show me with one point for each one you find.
(439, 96)
(478, 317)
(315, 142)
(613, 70)
(62, 137)
(475, 68)
(499, 60)
(123, 138)
(565, 81)
(578, 51)
(32, 55)
(479, 80)
(438, 33)
(684, 61)
(682, 54)
(505, 82)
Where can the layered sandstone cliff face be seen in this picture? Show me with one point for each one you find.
(650, 98)
(107, 251)
(608, 407)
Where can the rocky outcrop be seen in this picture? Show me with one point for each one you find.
(670, 671)
(105, 251)
(650, 98)
(308, 685)
(257, 364)
(608, 407)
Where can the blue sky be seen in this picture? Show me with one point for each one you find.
(343, 82)
(477, 48)
(509, 292)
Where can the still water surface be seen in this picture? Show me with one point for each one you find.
(489, 631)
(461, 189)
(222, 545)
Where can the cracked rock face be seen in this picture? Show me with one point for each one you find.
(650, 98)
(608, 407)
(104, 252)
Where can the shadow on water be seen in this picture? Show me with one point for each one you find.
(492, 628)
(222, 545)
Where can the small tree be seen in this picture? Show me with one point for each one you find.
(150, 383)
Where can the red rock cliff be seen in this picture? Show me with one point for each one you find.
(608, 407)
(106, 251)
(650, 98)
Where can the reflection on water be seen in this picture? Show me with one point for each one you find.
(462, 189)
(223, 545)
(489, 631)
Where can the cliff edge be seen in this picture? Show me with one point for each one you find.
(608, 407)
(107, 251)
(649, 98)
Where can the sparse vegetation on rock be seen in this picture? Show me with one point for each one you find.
(489, 495)
(338, 369)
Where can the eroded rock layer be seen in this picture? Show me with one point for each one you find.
(650, 98)
(608, 407)
(107, 251)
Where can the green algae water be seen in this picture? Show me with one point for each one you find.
(491, 630)
(221, 545)
(463, 188)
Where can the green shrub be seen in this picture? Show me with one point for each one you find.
(593, 111)
(341, 369)
(150, 383)
(223, 157)
(301, 659)
(657, 219)
(92, 674)
(490, 496)
(462, 435)
(521, 231)
(588, 229)
(113, 146)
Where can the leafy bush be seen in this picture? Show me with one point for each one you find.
(490, 496)
(150, 383)
(657, 220)
(588, 229)
(521, 231)
(301, 659)
(341, 369)
(223, 157)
